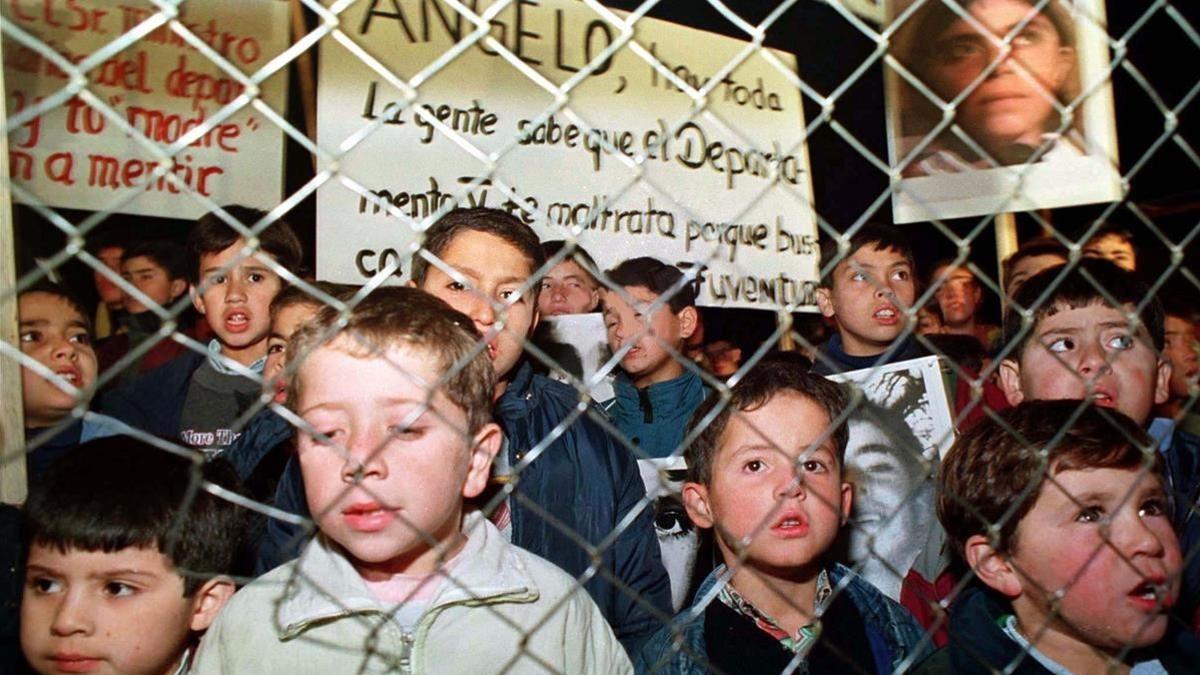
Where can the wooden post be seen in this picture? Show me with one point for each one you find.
(12, 415)
(305, 75)
(787, 341)
(1006, 241)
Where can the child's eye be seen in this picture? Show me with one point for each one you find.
(1121, 342)
(404, 432)
(31, 336)
(119, 589)
(45, 585)
(215, 279)
(755, 466)
(1156, 506)
(1061, 345)
(1090, 514)
(813, 466)
(510, 294)
(325, 436)
(901, 275)
(257, 277)
(277, 348)
(81, 338)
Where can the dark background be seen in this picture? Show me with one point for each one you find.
(1165, 189)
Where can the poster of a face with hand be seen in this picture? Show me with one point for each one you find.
(898, 432)
(999, 105)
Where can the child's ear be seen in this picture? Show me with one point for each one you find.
(1162, 383)
(1010, 381)
(178, 287)
(695, 500)
(992, 568)
(209, 600)
(825, 303)
(483, 450)
(197, 299)
(847, 503)
(688, 318)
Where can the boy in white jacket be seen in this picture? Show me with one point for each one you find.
(403, 578)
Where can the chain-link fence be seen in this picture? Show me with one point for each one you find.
(644, 237)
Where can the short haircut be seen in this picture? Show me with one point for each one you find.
(577, 254)
(119, 492)
(491, 221)
(59, 291)
(211, 235)
(1032, 249)
(291, 296)
(167, 254)
(658, 277)
(1111, 230)
(938, 266)
(410, 318)
(994, 473)
(876, 235)
(764, 381)
(1177, 301)
(1076, 291)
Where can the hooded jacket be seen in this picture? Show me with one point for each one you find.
(498, 609)
(832, 357)
(894, 636)
(655, 419)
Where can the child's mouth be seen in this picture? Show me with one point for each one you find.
(71, 375)
(237, 322)
(887, 315)
(367, 516)
(74, 663)
(791, 525)
(1152, 595)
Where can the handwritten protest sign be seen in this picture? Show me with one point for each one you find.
(727, 188)
(72, 156)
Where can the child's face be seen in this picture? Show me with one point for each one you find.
(391, 482)
(1102, 539)
(152, 279)
(56, 335)
(958, 296)
(868, 292)
(568, 289)
(495, 271)
(1114, 248)
(1088, 352)
(647, 361)
(1016, 100)
(237, 302)
(769, 490)
(1180, 350)
(1027, 267)
(93, 612)
(110, 294)
(284, 323)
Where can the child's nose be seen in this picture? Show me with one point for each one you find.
(71, 617)
(364, 459)
(1132, 536)
(1093, 360)
(793, 487)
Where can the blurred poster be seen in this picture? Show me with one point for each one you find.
(899, 431)
(576, 348)
(1032, 125)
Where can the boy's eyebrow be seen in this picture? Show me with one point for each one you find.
(475, 274)
(123, 572)
(388, 402)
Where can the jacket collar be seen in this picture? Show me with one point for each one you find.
(664, 395)
(323, 585)
(518, 397)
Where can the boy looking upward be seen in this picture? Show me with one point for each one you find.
(648, 319)
(960, 297)
(867, 291)
(766, 476)
(1115, 244)
(126, 563)
(1069, 531)
(198, 398)
(569, 287)
(577, 485)
(397, 409)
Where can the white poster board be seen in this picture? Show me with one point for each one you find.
(728, 188)
(578, 346)
(74, 157)
(1008, 148)
(898, 433)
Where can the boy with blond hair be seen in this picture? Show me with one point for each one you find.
(398, 434)
(1068, 529)
(766, 476)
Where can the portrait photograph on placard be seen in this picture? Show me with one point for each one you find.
(1032, 123)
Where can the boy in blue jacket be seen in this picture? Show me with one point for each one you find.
(766, 476)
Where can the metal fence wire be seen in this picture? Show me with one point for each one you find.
(906, 124)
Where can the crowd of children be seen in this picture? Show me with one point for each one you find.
(429, 499)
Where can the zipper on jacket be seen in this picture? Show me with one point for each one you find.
(647, 407)
(406, 652)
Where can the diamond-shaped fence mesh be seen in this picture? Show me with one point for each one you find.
(581, 336)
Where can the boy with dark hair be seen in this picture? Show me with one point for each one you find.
(569, 287)
(765, 475)
(1032, 257)
(53, 331)
(158, 269)
(579, 485)
(199, 398)
(1076, 345)
(960, 297)
(108, 250)
(129, 546)
(1113, 243)
(867, 289)
(396, 398)
(1068, 529)
(649, 316)
(1180, 349)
